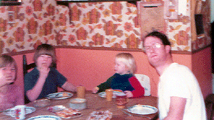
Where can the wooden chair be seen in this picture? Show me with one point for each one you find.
(26, 66)
(209, 102)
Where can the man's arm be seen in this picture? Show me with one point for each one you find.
(176, 108)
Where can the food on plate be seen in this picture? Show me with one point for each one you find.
(56, 108)
(118, 90)
(68, 112)
(100, 115)
(65, 94)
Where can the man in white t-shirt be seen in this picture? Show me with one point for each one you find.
(179, 94)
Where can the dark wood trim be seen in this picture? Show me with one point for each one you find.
(9, 3)
(102, 48)
(195, 51)
(108, 49)
(66, 3)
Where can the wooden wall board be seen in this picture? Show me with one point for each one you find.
(151, 18)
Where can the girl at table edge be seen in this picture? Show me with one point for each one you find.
(123, 79)
(44, 79)
(10, 94)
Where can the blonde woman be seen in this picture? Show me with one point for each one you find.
(123, 79)
(10, 94)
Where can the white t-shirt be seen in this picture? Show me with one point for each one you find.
(178, 80)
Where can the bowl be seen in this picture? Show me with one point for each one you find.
(41, 103)
(77, 103)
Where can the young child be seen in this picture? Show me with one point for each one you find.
(123, 79)
(10, 94)
(44, 79)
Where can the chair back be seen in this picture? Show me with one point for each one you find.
(209, 102)
(26, 66)
(145, 82)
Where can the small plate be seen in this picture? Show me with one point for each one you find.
(103, 94)
(59, 95)
(100, 115)
(64, 112)
(28, 110)
(45, 117)
(56, 108)
(142, 109)
(41, 103)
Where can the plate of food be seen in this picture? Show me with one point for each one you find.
(100, 115)
(64, 112)
(103, 94)
(59, 95)
(28, 110)
(142, 109)
(45, 117)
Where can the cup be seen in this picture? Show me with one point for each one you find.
(109, 94)
(18, 112)
(80, 92)
(121, 100)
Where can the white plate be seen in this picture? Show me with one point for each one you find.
(65, 111)
(59, 95)
(45, 117)
(28, 110)
(56, 108)
(103, 94)
(142, 109)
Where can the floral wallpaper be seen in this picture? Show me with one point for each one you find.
(98, 24)
(179, 30)
(89, 24)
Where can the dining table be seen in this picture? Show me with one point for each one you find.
(94, 102)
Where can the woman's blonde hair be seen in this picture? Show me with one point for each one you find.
(45, 49)
(7, 60)
(128, 60)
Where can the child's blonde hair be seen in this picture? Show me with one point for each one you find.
(45, 49)
(128, 60)
(7, 60)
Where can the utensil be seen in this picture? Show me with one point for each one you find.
(124, 111)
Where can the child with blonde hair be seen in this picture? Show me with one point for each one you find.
(124, 78)
(10, 94)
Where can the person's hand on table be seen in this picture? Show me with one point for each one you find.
(95, 90)
(128, 94)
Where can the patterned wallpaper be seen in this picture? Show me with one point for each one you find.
(94, 24)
